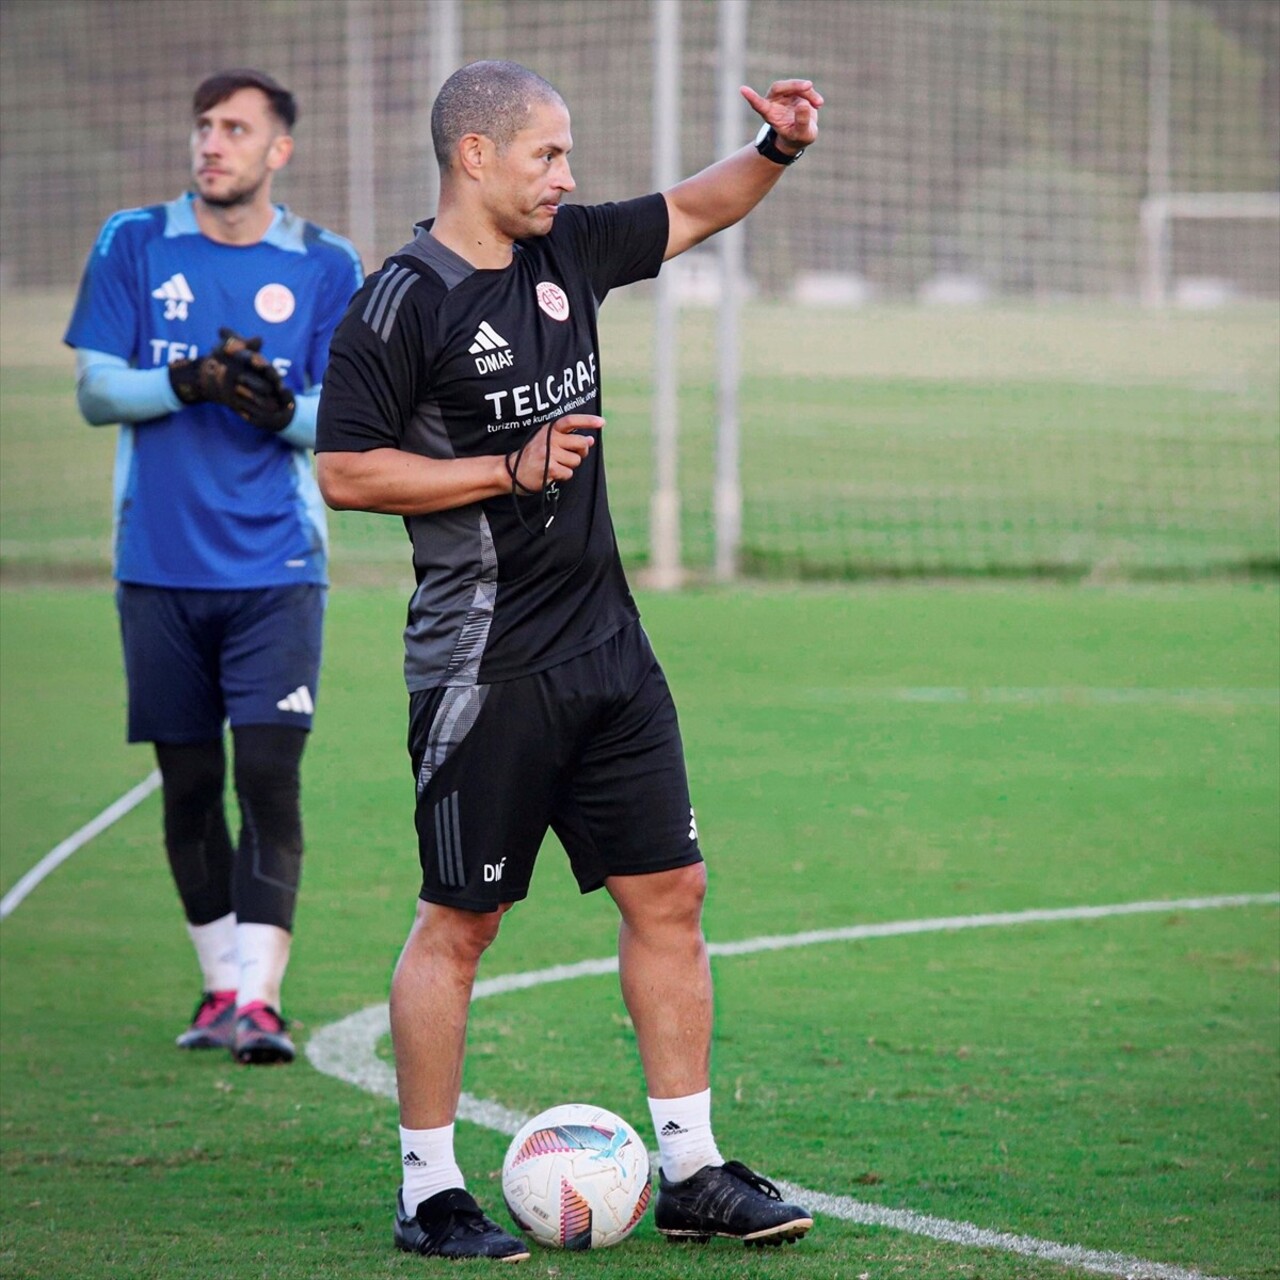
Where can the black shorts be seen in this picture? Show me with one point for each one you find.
(589, 749)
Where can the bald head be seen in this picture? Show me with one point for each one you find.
(491, 98)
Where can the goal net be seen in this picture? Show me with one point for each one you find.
(945, 364)
(1208, 248)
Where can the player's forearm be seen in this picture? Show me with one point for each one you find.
(717, 197)
(108, 390)
(301, 431)
(394, 482)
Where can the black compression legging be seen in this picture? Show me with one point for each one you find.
(259, 879)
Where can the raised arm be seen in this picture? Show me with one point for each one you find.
(725, 192)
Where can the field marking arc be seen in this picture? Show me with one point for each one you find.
(1191, 698)
(1076, 696)
(77, 840)
(347, 1050)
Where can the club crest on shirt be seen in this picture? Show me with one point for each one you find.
(552, 300)
(274, 303)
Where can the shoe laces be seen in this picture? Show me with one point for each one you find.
(457, 1212)
(752, 1179)
(264, 1018)
(211, 1006)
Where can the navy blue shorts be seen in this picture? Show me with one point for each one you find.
(194, 660)
(589, 749)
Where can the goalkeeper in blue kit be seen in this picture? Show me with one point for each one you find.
(202, 327)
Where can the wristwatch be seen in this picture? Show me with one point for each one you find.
(765, 145)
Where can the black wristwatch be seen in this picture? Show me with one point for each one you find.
(765, 145)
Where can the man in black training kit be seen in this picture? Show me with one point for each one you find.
(463, 394)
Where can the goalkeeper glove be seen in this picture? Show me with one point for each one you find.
(236, 374)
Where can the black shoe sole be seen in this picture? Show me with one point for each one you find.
(263, 1057)
(479, 1257)
(786, 1233)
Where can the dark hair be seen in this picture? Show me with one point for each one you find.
(492, 98)
(222, 84)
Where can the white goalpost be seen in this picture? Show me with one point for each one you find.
(731, 133)
(665, 571)
(1160, 214)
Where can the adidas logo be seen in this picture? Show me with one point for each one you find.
(176, 294)
(414, 1161)
(671, 1130)
(299, 700)
(487, 338)
(693, 826)
(491, 349)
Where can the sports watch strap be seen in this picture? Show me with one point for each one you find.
(766, 145)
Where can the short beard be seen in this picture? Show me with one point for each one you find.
(232, 201)
(228, 202)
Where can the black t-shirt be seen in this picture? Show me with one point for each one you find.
(440, 359)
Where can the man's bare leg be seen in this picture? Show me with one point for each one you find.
(430, 999)
(666, 983)
(666, 976)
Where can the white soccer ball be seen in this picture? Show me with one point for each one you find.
(576, 1177)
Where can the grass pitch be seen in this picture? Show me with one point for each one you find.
(1109, 1083)
(858, 755)
(1069, 442)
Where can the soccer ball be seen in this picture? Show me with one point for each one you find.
(576, 1177)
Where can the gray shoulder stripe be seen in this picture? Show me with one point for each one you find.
(402, 273)
(390, 321)
(377, 294)
(377, 299)
(378, 302)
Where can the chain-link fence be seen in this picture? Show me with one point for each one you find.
(997, 153)
(989, 145)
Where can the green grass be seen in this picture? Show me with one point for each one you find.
(1112, 1083)
(1061, 442)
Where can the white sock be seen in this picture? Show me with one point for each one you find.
(263, 951)
(685, 1140)
(215, 945)
(426, 1156)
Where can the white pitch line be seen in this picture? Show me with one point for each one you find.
(347, 1051)
(1192, 699)
(60, 853)
(1100, 1261)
